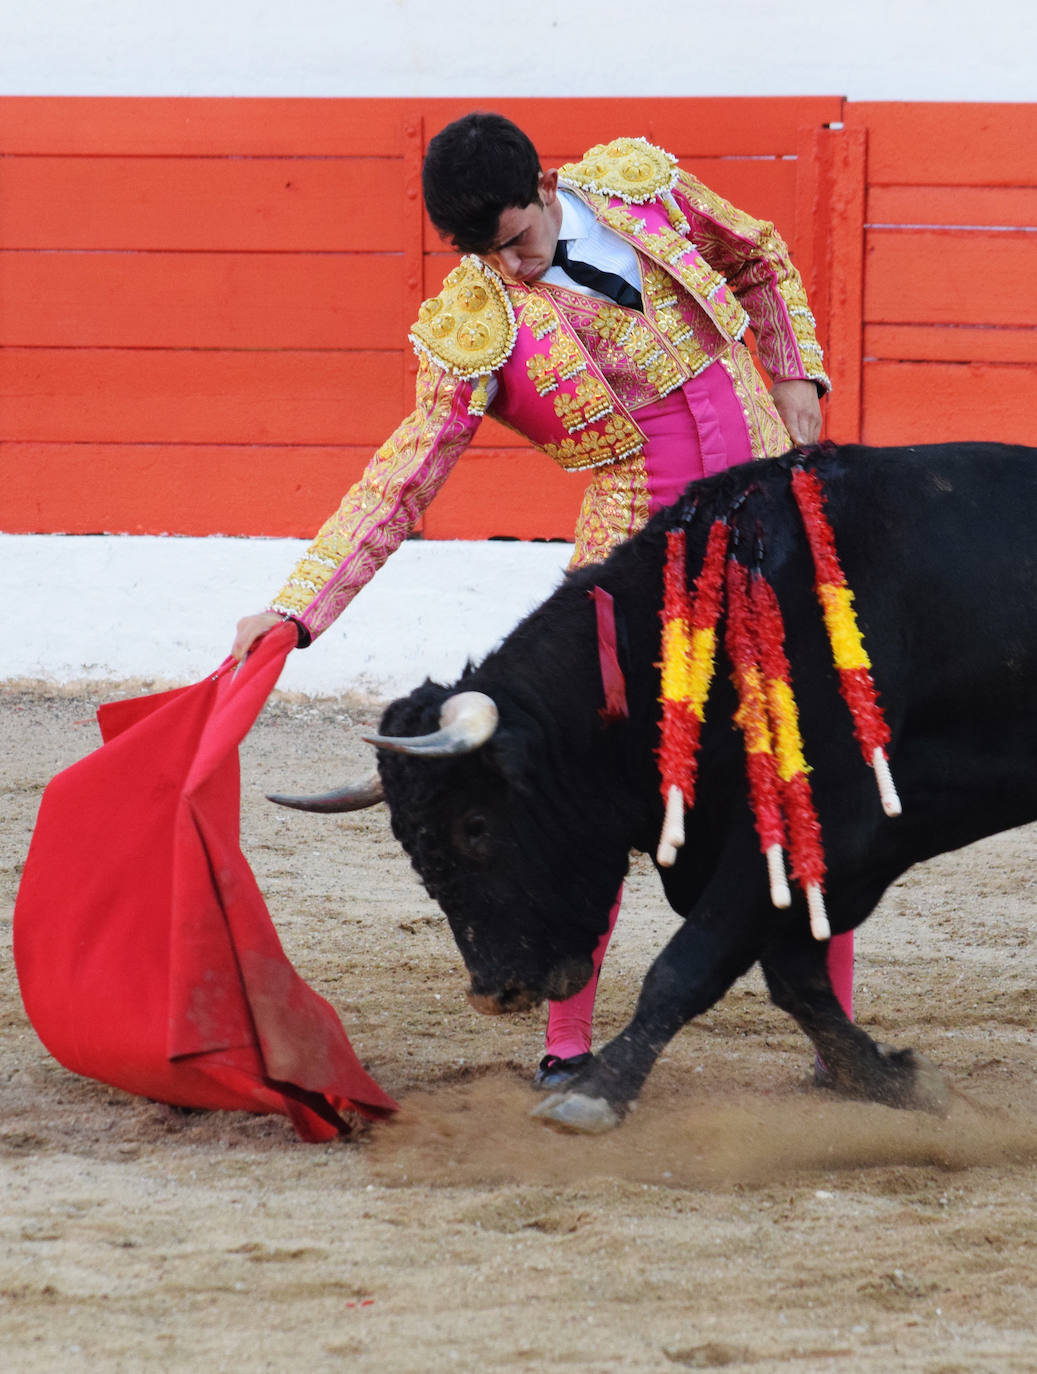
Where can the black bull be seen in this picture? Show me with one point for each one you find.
(524, 841)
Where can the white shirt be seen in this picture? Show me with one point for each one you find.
(592, 242)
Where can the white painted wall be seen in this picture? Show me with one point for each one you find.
(863, 49)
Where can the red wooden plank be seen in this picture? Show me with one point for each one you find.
(200, 300)
(206, 396)
(962, 206)
(299, 205)
(200, 127)
(333, 127)
(951, 277)
(203, 489)
(269, 490)
(846, 190)
(687, 126)
(520, 494)
(810, 238)
(950, 343)
(914, 403)
(164, 396)
(947, 144)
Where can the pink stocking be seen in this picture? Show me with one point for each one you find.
(840, 973)
(840, 969)
(569, 1022)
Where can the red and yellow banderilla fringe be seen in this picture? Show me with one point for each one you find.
(804, 831)
(688, 660)
(848, 653)
(753, 720)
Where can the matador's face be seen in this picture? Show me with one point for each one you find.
(524, 244)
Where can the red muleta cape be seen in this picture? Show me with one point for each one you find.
(145, 953)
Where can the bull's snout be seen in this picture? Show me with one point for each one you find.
(565, 980)
(501, 1003)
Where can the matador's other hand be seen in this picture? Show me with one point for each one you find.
(797, 404)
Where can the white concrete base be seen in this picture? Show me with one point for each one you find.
(120, 607)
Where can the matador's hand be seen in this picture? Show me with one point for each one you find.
(249, 631)
(797, 404)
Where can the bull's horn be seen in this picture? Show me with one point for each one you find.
(466, 721)
(354, 797)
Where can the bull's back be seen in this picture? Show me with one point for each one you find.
(937, 543)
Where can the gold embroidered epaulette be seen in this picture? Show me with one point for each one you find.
(469, 328)
(631, 168)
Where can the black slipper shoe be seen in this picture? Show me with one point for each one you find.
(555, 1073)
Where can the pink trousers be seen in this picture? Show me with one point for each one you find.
(695, 431)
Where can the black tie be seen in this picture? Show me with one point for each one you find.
(609, 284)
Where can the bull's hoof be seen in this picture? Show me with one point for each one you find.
(895, 1078)
(575, 1112)
(924, 1089)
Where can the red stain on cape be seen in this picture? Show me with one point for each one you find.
(145, 953)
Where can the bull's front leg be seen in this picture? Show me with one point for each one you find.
(713, 948)
(797, 978)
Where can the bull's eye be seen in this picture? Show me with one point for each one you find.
(472, 834)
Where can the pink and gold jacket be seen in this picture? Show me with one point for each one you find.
(569, 371)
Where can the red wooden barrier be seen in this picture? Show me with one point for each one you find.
(204, 303)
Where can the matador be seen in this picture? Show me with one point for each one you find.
(600, 310)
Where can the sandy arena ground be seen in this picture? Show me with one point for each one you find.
(740, 1220)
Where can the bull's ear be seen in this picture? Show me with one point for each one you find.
(510, 754)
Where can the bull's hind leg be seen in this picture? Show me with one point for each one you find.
(797, 978)
(695, 969)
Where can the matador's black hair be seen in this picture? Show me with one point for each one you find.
(476, 168)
